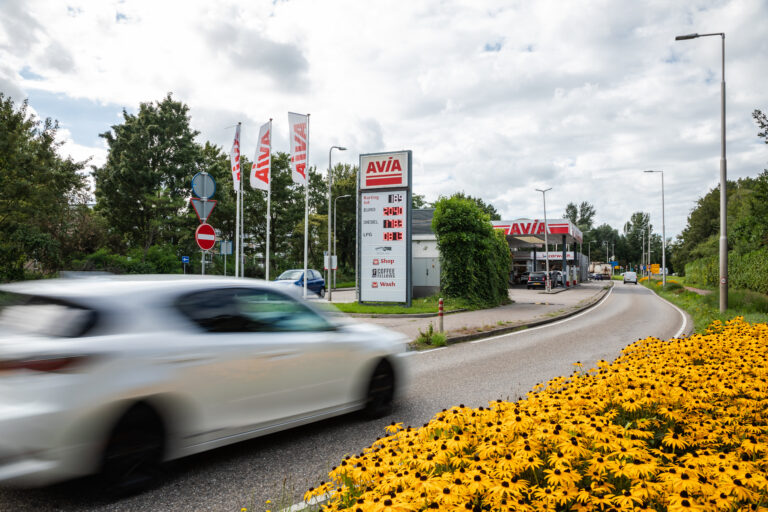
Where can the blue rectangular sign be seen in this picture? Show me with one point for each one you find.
(185, 259)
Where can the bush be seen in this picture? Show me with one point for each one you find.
(748, 271)
(474, 258)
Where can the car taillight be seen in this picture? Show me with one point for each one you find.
(47, 364)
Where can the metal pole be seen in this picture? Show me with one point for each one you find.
(546, 238)
(723, 195)
(330, 182)
(335, 209)
(269, 198)
(663, 237)
(237, 217)
(723, 176)
(202, 263)
(357, 232)
(306, 213)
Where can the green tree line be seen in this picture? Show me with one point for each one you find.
(141, 220)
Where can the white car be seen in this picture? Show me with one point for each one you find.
(114, 375)
(630, 277)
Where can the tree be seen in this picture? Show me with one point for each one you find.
(486, 208)
(418, 201)
(143, 188)
(474, 258)
(582, 216)
(38, 189)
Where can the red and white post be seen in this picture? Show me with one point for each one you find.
(440, 315)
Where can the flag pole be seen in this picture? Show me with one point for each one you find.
(242, 226)
(237, 209)
(269, 194)
(306, 212)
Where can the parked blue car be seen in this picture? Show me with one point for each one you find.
(295, 277)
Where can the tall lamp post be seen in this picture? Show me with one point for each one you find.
(723, 194)
(546, 238)
(663, 234)
(330, 182)
(334, 236)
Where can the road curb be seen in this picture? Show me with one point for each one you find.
(452, 340)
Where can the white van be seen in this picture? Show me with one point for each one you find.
(630, 277)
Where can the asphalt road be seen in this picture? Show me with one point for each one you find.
(282, 466)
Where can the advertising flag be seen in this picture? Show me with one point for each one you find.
(298, 126)
(261, 164)
(234, 158)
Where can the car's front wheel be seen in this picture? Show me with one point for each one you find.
(380, 396)
(134, 451)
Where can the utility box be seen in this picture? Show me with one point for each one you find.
(426, 276)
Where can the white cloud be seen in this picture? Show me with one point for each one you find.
(494, 99)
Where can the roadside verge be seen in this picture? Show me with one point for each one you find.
(527, 324)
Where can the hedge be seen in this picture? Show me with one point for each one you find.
(748, 271)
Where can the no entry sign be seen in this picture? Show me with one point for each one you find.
(205, 236)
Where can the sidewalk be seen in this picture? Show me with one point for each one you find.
(530, 307)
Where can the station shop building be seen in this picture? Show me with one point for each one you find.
(526, 244)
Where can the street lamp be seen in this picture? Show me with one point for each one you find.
(589, 254)
(330, 182)
(723, 194)
(663, 235)
(546, 238)
(334, 236)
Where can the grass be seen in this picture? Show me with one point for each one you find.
(704, 309)
(345, 284)
(422, 305)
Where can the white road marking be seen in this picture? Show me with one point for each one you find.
(548, 325)
(682, 314)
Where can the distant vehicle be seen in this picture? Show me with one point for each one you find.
(536, 279)
(116, 375)
(556, 277)
(315, 284)
(630, 277)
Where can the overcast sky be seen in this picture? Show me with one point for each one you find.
(494, 98)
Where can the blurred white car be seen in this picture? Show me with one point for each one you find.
(114, 375)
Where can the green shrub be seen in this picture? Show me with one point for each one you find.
(474, 258)
(747, 271)
(436, 339)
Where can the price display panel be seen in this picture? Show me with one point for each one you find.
(383, 243)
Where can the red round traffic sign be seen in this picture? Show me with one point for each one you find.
(205, 236)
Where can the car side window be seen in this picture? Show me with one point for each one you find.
(273, 312)
(249, 310)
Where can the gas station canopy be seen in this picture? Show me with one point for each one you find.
(527, 232)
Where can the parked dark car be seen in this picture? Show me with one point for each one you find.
(315, 283)
(536, 279)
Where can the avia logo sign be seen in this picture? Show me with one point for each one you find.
(532, 227)
(385, 170)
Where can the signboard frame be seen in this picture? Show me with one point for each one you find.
(406, 189)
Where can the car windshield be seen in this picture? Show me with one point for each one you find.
(537, 274)
(292, 275)
(43, 316)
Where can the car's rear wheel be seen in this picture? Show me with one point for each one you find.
(322, 292)
(134, 451)
(380, 397)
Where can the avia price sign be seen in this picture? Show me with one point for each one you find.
(384, 230)
(205, 236)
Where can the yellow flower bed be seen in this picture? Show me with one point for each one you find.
(670, 425)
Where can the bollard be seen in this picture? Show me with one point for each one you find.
(440, 315)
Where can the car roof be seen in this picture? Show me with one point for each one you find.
(124, 285)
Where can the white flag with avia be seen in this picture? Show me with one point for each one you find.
(262, 162)
(234, 159)
(298, 125)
